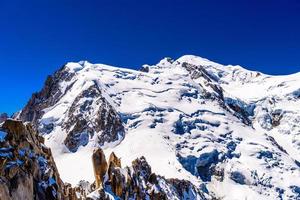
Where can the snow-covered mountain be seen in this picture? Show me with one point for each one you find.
(233, 133)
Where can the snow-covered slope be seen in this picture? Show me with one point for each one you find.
(234, 133)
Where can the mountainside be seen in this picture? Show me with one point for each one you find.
(231, 132)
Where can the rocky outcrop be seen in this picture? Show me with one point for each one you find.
(102, 118)
(237, 107)
(27, 167)
(28, 171)
(114, 161)
(3, 117)
(138, 182)
(87, 114)
(78, 192)
(47, 97)
(100, 166)
(197, 71)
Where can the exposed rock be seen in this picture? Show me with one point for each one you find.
(80, 126)
(79, 192)
(276, 117)
(117, 181)
(89, 113)
(3, 117)
(27, 167)
(199, 71)
(238, 177)
(145, 68)
(114, 164)
(114, 160)
(138, 182)
(100, 166)
(240, 109)
(48, 96)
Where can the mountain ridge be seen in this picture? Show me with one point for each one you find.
(186, 116)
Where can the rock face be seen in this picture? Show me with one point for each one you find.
(81, 126)
(3, 117)
(83, 112)
(138, 182)
(47, 97)
(27, 167)
(100, 166)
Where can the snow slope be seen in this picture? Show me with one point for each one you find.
(232, 131)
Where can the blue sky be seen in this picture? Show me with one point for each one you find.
(37, 37)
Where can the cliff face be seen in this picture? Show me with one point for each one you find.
(48, 96)
(27, 168)
(79, 110)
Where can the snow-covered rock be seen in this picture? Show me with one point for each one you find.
(27, 168)
(232, 132)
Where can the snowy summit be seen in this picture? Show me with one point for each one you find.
(231, 132)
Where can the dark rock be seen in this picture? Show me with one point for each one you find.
(240, 109)
(203, 166)
(79, 126)
(296, 190)
(100, 166)
(276, 116)
(238, 177)
(47, 97)
(138, 182)
(27, 167)
(265, 154)
(199, 71)
(145, 68)
(274, 143)
(3, 117)
(205, 163)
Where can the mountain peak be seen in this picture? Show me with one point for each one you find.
(77, 66)
(197, 60)
(191, 118)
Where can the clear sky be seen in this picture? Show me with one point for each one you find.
(39, 36)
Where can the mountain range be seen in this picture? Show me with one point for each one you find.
(188, 128)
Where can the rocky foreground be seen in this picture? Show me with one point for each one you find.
(28, 171)
(27, 168)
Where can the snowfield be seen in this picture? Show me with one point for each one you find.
(233, 132)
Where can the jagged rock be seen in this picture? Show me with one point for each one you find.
(198, 71)
(78, 192)
(138, 182)
(145, 68)
(114, 164)
(3, 117)
(114, 160)
(48, 96)
(276, 115)
(100, 166)
(105, 120)
(117, 181)
(89, 113)
(240, 109)
(27, 169)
